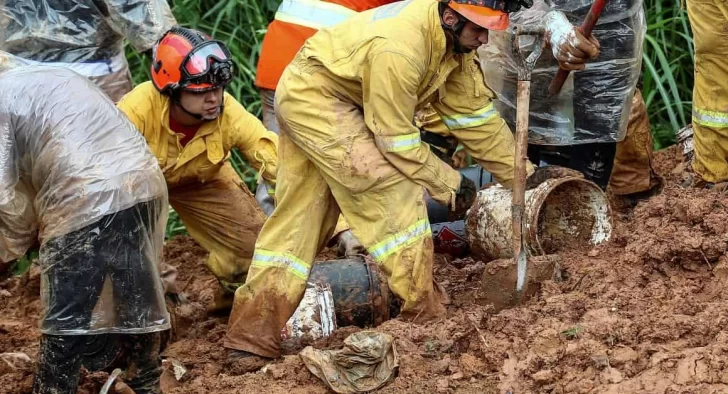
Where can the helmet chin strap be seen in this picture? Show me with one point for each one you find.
(176, 100)
(455, 30)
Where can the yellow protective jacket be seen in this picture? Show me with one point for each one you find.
(395, 60)
(203, 156)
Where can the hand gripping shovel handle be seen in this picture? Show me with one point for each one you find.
(586, 29)
(525, 64)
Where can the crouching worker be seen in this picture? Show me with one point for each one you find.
(191, 125)
(77, 177)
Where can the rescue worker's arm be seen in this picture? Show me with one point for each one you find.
(466, 111)
(390, 96)
(255, 142)
(141, 22)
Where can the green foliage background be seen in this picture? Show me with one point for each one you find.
(241, 24)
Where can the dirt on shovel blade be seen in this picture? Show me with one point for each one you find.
(645, 313)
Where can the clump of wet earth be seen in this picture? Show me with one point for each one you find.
(647, 313)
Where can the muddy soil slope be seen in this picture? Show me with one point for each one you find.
(646, 313)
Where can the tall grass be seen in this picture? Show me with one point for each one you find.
(668, 69)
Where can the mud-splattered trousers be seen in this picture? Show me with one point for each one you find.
(350, 146)
(388, 216)
(633, 170)
(270, 121)
(76, 268)
(709, 21)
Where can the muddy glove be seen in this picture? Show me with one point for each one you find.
(464, 199)
(542, 174)
(348, 246)
(570, 48)
(265, 198)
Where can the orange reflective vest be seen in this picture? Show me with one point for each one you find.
(295, 22)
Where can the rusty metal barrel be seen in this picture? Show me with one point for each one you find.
(340, 293)
(561, 214)
(361, 295)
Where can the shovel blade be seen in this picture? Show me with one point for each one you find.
(498, 285)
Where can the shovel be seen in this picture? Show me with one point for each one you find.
(525, 66)
(497, 284)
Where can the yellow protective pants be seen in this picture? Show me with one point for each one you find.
(633, 171)
(270, 121)
(223, 217)
(330, 165)
(709, 20)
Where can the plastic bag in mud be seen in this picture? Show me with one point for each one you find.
(86, 36)
(595, 103)
(368, 361)
(76, 175)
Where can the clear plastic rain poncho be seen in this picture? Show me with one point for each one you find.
(594, 104)
(77, 176)
(84, 35)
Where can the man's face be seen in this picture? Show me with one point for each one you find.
(206, 103)
(473, 36)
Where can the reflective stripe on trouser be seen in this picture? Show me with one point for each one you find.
(317, 180)
(633, 172)
(709, 20)
(224, 218)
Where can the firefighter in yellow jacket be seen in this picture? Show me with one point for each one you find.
(346, 106)
(709, 20)
(191, 125)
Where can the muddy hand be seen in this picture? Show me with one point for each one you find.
(542, 174)
(569, 46)
(464, 198)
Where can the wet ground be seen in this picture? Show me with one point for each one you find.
(646, 313)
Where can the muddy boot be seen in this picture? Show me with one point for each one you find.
(693, 180)
(59, 364)
(626, 202)
(430, 310)
(143, 367)
(222, 300)
(240, 362)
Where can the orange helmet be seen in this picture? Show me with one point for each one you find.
(191, 60)
(489, 14)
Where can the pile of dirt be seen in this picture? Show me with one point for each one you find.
(647, 312)
(19, 333)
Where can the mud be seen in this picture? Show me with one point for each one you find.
(647, 313)
(564, 223)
